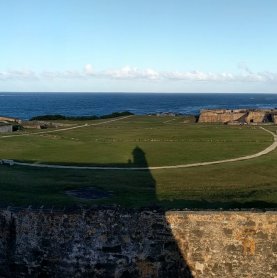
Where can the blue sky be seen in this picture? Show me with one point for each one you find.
(138, 45)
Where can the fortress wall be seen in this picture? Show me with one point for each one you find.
(220, 116)
(8, 119)
(133, 243)
(256, 117)
(248, 116)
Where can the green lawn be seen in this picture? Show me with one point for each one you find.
(160, 141)
(163, 143)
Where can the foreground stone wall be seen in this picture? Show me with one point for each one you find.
(132, 243)
(227, 244)
(95, 243)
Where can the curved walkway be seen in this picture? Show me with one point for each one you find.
(269, 149)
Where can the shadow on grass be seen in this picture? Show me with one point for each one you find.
(128, 188)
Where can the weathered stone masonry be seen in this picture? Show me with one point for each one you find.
(133, 243)
(239, 116)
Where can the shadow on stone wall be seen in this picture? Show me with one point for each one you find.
(97, 242)
(167, 252)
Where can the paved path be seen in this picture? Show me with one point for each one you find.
(269, 149)
(64, 129)
(169, 121)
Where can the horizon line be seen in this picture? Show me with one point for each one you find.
(126, 92)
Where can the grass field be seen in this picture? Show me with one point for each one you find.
(160, 141)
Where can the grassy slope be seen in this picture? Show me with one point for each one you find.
(250, 183)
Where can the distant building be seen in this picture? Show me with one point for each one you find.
(5, 128)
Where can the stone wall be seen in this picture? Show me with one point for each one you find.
(239, 115)
(221, 116)
(133, 243)
(256, 117)
(227, 244)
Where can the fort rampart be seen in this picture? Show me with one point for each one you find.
(240, 116)
(112, 242)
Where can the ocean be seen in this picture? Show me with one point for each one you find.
(27, 105)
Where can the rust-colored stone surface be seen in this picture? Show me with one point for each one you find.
(138, 243)
(227, 244)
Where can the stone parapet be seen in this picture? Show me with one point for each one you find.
(138, 243)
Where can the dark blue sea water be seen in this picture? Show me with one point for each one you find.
(27, 105)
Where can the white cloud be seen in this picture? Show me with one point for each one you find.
(151, 74)
(23, 74)
(128, 72)
(198, 76)
(88, 69)
(247, 75)
(132, 73)
(67, 74)
(222, 77)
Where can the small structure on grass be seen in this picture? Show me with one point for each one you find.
(4, 127)
(34, 124)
